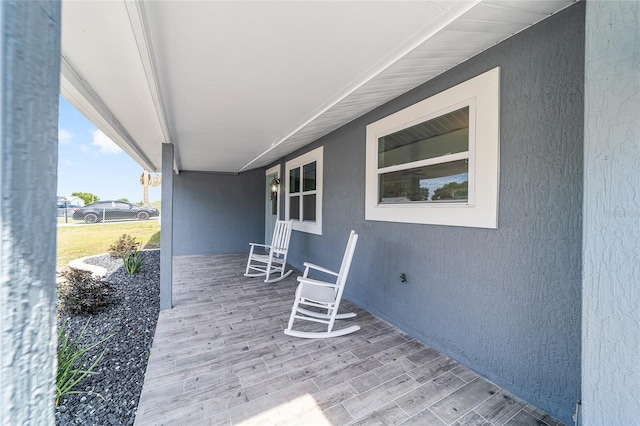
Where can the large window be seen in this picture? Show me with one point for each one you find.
(436, 162)
(304, 192)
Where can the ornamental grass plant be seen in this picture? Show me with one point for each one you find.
(74, 363)
(133, 262)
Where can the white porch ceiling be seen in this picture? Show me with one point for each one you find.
(236, 85)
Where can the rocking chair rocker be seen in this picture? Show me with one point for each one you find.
(275, 260)
(323, 295)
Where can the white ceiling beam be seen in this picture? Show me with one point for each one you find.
(79, 92)
(140, 28)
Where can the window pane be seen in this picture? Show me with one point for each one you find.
(309, 208)
(446, 134)
(294, 208)
(294, 180)
(309, 177)
(444, 182)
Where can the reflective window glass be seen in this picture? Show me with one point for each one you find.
(294, 180)
(309, 177)
(294, 208)
(444, 182)
(443, 135)
(309, 207)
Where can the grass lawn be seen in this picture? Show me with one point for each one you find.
(79, 240)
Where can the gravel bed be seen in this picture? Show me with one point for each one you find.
(112, 395)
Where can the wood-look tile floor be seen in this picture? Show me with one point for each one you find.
(220, 357)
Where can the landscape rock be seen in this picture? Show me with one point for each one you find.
(132, 320)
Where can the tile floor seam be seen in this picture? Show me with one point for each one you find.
(438, 417)
(408, 391)
(438, 400)
(371, 390)
(480, 403)
(359, 418)
(353, 387)
(536, 417)
(409, 416)
(460, 377)
(513, 416)
(483, 417)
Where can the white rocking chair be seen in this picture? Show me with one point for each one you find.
(323, 295)
(275, 260)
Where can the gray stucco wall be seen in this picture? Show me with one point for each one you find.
(217, 213)
(30, 69)
(505, 302)
(166, 237)
(611, 314)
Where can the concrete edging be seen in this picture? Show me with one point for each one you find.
(97, 271)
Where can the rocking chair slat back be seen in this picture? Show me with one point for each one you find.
(346, 264)
(281, 236)
(275, 261)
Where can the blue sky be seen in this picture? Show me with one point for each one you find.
(88, 161)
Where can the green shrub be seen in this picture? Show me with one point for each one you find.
(72, 360)
(133, 262)
(124, 246)
(82, 293)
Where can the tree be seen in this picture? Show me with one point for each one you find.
(147, 180)
(452, 191)
(87, 197)
(125, 199)
(419, 194)
(410, 190)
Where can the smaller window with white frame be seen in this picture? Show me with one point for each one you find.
(303, 201)
(437, 162)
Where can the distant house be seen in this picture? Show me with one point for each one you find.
(64, 201)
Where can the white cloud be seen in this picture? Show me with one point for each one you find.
(104, 144)
(64, 136)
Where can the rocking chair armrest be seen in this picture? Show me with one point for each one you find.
(259, 245)
(304, 280)
(320, 268)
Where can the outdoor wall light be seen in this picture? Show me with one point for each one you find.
(275, 183)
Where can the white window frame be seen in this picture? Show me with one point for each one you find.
(298, 162)
(482, 95)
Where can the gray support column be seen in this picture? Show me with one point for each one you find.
(166, 237)
(29, 88)
(611, 237)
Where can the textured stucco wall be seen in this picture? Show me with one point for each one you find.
(505, 302)
(166, 237)
(29, 59)
(217, 213)
(611, 275)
